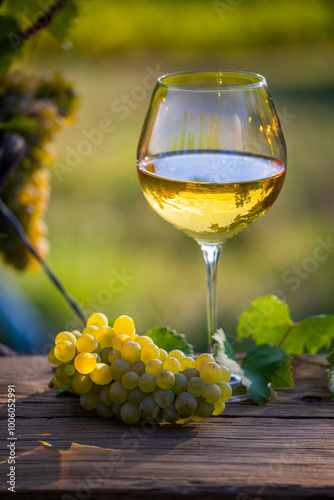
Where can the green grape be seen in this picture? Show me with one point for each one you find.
(64, 351)
(119, 341)
(165, 379)
(170, 414)
(202, 359)
(104, 336)
(195, 418)
(101, 374)
(81, 384)
(204, 409)
(196, 386)
(226, 391)
(118, 368)
(61, 375)
(180, 384)
(61, 385)
(85, 362)
(154, 366)
(226, 374)
(117, 393)
(76, 333)
(104, 396)
(52, 358)
(90, 330)
(103, 410)
(89, 401)
(124, 324)
(219, 408)
(138, 367)
(147, 382)
(148, 408)
(104, 354)
(98, 349)
(130, 380)
(211, 373)
(211, 393)
(163, 397)
(86, 343)
(185, 404)
(65, 336)
(172, 364)
(163, 355)
(116, 408)
(129, 413)
(97, 357)
(69, 370)
(187, 362)
(97, 319)
(96, 388)
(136, 395)
(113, 355)
(176, 353)
(182, 420)
(148, 352)
(143, 340)
(190, 373)
(131, 352)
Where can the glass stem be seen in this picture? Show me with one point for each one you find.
(211, 254)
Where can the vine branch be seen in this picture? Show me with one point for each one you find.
(43, 20)
(14, 222)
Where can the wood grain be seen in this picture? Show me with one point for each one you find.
(284, 449)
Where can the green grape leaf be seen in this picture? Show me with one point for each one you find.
(310, 335)
(263, 365)
(266, 321)
(330, 359)
(169, 339)
(10, 42)
(268, 363)
(62, 23)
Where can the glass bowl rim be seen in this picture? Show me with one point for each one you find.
(260, 80)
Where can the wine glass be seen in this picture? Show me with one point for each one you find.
(211, 159)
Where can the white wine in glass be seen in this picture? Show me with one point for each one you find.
(211, 159)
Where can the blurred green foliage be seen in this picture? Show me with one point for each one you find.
(109, 248)
(200, 25)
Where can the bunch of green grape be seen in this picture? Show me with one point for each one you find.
(123, 374)
(36, 109)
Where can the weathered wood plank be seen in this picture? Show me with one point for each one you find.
(284, 449)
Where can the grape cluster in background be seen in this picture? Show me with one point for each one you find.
(120, 373)
(36, 109)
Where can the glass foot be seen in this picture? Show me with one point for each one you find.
(239, 391)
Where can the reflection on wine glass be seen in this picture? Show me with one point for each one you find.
(211, 159)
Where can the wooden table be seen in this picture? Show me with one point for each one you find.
(284, 449)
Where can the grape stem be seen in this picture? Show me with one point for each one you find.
(15, 223)
(43, 20)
